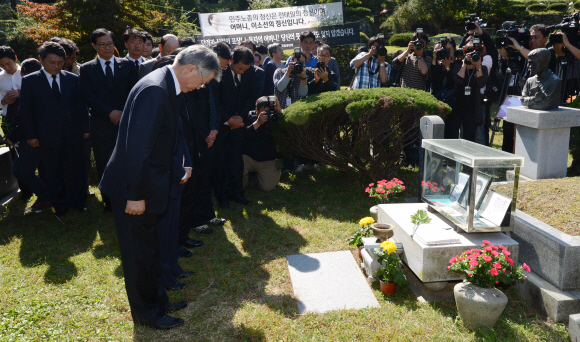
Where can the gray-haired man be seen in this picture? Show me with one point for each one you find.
(143, 174)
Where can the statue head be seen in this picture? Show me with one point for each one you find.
(539, 60)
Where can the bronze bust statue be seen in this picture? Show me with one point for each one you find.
(543, 90)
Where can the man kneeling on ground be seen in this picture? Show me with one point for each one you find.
(259, 148)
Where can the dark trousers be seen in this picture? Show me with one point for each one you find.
(25, 190)
(24, 170)
(186, 209)
(65, 174)
(139, 245)
(168, 228)
(203, 206)
(508, 137)
(87, 161)
(103, 146)
(229, 159)
(454, 123)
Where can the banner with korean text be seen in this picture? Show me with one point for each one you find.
(331, 35)
(270, 20)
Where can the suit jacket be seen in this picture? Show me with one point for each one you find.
(102, 98)
(44, 118)
(269, 69)
(147, 66)
(142, 166)
(240, 100)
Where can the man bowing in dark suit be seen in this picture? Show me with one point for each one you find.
(106, 82)
(138, 177)
(55, 121)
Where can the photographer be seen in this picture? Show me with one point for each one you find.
(259, 147)
(472, 76)
(372, 68)
(413, 65)
(539, 35)
(324, 78)
(291, 83)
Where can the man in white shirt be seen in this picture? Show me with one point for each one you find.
(134, 42)
(10, 81)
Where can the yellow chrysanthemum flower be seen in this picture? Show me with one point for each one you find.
(389, 247)
(365, 221)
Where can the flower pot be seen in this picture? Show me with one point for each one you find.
(389, 288)
(477, 305)
(359, 252)
(383, 231)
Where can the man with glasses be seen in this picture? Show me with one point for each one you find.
(106, 82)
(134, 42)
(324, 78)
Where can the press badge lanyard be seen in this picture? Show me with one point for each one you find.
(468, 87)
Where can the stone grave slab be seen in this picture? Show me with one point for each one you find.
(329, 281)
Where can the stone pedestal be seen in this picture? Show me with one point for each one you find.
(429, 262)
(542, 138)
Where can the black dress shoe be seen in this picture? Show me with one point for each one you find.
(60, 212)
(225, 204)
(191, 243)
(183, 252)
(184, 275)
(177, 286)
(240, 200)
(175, 306)
(165, 322)
(216, 221)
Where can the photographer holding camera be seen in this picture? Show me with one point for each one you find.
(291, 83)
(539, 35)
(413, 64)
(372, 70)
(324, 78)
(259, 147)
(472, 76)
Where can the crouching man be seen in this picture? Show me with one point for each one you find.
(259, 149)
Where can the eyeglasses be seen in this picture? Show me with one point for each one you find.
(323, 56)
(136, 43)
(105, 46)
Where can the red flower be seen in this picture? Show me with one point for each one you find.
(471, 268)
(461, 259)
(497, 265)
(496, 253)
(493, 272)
(467, 252)
(372, 184)
(452, 260)
(506, 252)
(435, 184)
(502, 247)
(509, 260)
(487, 258)
(473, 263)
(526, 267)
(497, 282)
(488, 249)
(469, 274)
(485, 242)
(504, 270)
(367, 190)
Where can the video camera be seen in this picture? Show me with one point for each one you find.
(511, 30)
(471, 20)
(569, 25)
(298, 65)
(381, 49)
(272, 115)
(442, 53)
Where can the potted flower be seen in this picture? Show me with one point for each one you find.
(391, 273)
(478, 300)
(432, 188)
(365, 230)
(385, 190)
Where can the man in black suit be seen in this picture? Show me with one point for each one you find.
(139, 174)
(269, 68)
(106, 82)
(241, 85)
(55, 120)
(134, 42)
(169, 42)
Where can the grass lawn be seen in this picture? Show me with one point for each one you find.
(63, 281)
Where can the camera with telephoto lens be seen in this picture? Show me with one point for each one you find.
(511, 30)
(381, 49)
(442, 53)
(419, 44)
(272, 115)
(471, 20)
(476, 55)
(298, 65)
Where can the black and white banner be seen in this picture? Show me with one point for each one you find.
(331, 35)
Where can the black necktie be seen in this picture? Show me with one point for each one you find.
(55, 89)
(137, 63)
(109, 73)
(236, 80)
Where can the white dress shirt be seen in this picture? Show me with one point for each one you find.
(7, 83)
(140, 59)
(104, 66)
(49, 78)
(238, 76)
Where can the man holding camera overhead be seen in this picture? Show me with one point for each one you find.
(372, 68)
(413, 64)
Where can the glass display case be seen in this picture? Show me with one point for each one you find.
(468, 184)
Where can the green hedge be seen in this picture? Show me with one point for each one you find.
(364, 39)
(401, 39)
(518, 8)
(537, 8)
(356, 12)
(559, 6)
(577, 5)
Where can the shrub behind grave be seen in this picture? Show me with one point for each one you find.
(341, 128)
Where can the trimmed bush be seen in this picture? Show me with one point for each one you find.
(401, 39)
(356, 12)
(537, 8)
(559, 6)
(364, 129)
(518, 8)
(364, 39)
(577, 5)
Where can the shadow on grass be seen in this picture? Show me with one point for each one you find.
(46, 239)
